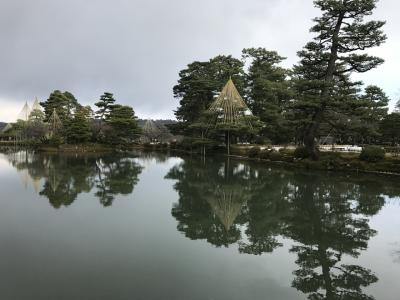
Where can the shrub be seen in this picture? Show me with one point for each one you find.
(253, 152)
(56, 141)
(264, 154)
(260, 140)
(275, 156)
(301, 152)
(372, 154)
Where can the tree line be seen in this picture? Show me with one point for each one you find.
(65, 120)
(316, 98)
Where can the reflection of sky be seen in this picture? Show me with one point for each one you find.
(134, 248)
(380, 255)
(5, 165)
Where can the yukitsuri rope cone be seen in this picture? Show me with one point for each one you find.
(230, 109)
(230, 105)
(151, 130)
(54, 122)
(25, 112)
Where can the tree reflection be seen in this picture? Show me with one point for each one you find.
(325, 217)
(66, 176)
(115, 177)
(212, 198)
(326, 224)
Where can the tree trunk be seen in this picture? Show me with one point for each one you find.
(312, 131)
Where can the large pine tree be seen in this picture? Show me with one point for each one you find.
(322, 78)
(267, 92)
(104, 105)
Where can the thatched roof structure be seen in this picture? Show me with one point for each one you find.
(229, 105)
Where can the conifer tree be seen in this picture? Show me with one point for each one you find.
(267, 92)
(201, 81)
(105, 105)
(322, 78)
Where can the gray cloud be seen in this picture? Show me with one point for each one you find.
(136, 48)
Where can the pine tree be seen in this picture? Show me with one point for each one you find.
(105, 105)
(63, 102)
(322, 78)
(267, 92)
(123, 123)
(201, 81)
(78, 130)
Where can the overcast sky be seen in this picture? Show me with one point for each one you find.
(135, 48)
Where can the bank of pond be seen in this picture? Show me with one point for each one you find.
(372, 159)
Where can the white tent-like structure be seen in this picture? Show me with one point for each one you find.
(24, 113)
(26, 110)
(36, 105)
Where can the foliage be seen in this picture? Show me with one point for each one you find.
(122, 121)
(323, 89)
(104, 106)
(275, 156)
(64, 103)
(301, 152)
(55, 140)
(372, 154)
(201, 81)
(390, 128)
(264, 154)
(78, 130)
(267, 92)
(253, 152)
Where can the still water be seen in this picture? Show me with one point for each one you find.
(151, 226)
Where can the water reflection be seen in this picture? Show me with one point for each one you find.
(322, 219)
(67, 176)
(325, 217)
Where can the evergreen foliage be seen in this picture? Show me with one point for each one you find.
(372, 154)
(322, 81)
(64, 103)
(201, 81)
(122, 121)
(79, 130)
(104, 106)
(390, 128)
(267, 92)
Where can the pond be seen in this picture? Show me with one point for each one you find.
(155, 226)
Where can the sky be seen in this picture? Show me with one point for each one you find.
(136, 48)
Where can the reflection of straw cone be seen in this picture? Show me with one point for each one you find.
(54, 180)
(226, 204)
(25, 178)
(36, 185)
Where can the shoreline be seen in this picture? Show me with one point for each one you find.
(338, 163)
